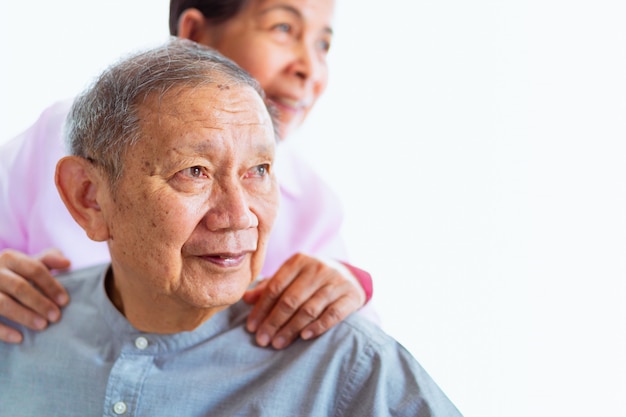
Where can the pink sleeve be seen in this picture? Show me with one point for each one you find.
(32, 215)
(27, 165)
(364, 278)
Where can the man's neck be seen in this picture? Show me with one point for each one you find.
(154, 314)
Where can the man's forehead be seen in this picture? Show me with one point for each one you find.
(209, 136)
(212, 105)
(252, 145)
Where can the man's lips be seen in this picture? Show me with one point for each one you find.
(226, 260)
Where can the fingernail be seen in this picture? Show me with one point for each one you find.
(14, 338)
(279, 343)
(39, 323)
(307, 334)
(252, 325)
(263, 339)
(62, 299)
(53, 315)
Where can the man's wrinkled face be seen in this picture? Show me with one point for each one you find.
(190, 219)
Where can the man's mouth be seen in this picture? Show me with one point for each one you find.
(226, 260)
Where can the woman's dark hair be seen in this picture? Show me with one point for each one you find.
(217, 11)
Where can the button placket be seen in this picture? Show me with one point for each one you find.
(128, 374)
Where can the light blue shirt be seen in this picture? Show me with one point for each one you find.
(94, 363)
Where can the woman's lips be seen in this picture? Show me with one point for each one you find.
(290, 104)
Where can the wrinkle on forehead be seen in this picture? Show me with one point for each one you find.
(208, 146)
(237, 112)
(224, 100)
(198, 148)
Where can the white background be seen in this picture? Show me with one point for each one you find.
(478, 148)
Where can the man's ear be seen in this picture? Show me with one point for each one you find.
(80, 184)
(192, 26)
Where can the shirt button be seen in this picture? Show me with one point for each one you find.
(141, 343)
(120, 407)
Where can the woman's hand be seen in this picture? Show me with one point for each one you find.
(29, 294)
(305, 298)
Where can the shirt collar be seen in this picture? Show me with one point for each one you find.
(230, 319)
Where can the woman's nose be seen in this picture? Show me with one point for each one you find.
(307, 63)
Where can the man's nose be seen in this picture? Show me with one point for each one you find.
(229, 208)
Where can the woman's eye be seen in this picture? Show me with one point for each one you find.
(324, 45)
(282, 27)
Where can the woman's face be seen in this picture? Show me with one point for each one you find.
(283, 44)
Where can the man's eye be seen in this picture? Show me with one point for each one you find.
(259, 171)
(194, 172)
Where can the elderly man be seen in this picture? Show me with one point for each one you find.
(171, 165)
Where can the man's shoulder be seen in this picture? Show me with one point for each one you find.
(83, 279)
(368, 338)
(82, 286)
(384, 369)
(363, 327)
(356, 334)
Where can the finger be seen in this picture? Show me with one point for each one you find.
(330, 317)
(327, 307)
(9, 335)
(285, 308)
(274, 288)
(19, 267)
(307, 314)
(53, 259)
(17, 313)
(22, 294)
(252, 295)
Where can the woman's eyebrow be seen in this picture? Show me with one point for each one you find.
(292, 10)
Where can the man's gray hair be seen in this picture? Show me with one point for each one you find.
(103, 121)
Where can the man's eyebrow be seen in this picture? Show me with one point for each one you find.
(202, 147)
(264, 148)
(292, 10)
